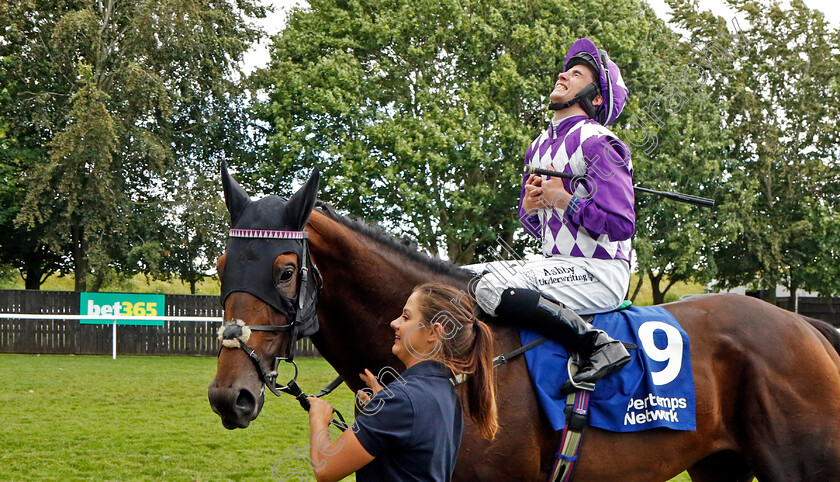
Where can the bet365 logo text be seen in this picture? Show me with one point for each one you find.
(123, 308)
(119, 305)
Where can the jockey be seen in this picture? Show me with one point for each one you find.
(584, 226)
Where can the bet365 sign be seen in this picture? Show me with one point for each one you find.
(122, 304)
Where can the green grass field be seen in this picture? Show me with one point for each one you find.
(139, 418)
(142, 418)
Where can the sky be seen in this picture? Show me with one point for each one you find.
(258, 55)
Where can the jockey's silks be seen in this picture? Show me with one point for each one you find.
(601, 218)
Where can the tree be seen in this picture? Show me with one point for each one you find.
(782, 166)
(113, 98)
(26, 117)
(30, 258)
(200, 229)
(81, 174)
(419, 113)
(676, 141)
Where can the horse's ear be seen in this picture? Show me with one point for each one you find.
(235, 197)
(300, 205)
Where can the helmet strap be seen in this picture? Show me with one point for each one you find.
(584, 98)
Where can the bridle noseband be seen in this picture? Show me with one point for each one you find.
(235, 334)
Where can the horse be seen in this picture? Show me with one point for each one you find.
(767, 381)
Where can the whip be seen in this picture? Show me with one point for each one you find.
(675, 196)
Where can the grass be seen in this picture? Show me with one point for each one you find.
(143, 418)
(136, 284)
(645, 296)
(139, 418)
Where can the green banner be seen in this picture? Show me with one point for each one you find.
(122, 304)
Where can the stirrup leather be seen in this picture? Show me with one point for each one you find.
(577, 414)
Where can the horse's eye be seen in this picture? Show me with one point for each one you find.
(285, 275)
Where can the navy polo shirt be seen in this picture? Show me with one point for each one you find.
(413, 427)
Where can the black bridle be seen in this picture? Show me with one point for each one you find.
(235, 333)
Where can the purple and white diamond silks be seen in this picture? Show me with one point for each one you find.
(601, 219)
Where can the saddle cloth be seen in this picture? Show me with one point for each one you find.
(654, 390)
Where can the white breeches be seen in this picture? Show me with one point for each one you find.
(585, 285)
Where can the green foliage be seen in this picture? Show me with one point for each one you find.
(80, 172)
(26, 116)
(782, 169)
(676, 140)
(419, 113)
(108, 103)
(200, 232)
(115, 115)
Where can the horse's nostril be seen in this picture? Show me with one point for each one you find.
(245, 402)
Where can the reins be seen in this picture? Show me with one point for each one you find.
(502, 359)
(233, 331)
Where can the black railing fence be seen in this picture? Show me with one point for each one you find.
(21, 335)
(62, 336)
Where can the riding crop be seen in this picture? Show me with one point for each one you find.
(675, 196)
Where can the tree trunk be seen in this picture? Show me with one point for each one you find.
(658, 294)
(461, 255)
(98, 280)
(192, 286)
(80, 261)
(791, 304)
(771, 292)
(638, 288)
(38, 267)
(33, 274)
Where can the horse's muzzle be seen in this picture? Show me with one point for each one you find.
(237, 406)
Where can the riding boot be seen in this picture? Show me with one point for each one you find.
(599, 354)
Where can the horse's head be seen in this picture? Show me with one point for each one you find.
(269, 295)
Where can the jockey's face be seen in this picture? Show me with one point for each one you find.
(572, 81)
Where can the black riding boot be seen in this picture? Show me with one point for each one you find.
(599, 354)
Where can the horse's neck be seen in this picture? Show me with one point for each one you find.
(365, 287)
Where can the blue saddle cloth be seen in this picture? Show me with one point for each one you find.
(656, 389)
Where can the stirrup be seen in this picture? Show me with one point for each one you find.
(572, 367)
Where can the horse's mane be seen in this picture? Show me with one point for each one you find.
(404, 246)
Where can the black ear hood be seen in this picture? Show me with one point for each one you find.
(236, 198)
(300, 205)
(270, 212)
(250, 260)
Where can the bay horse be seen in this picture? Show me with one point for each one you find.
(767, 381)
